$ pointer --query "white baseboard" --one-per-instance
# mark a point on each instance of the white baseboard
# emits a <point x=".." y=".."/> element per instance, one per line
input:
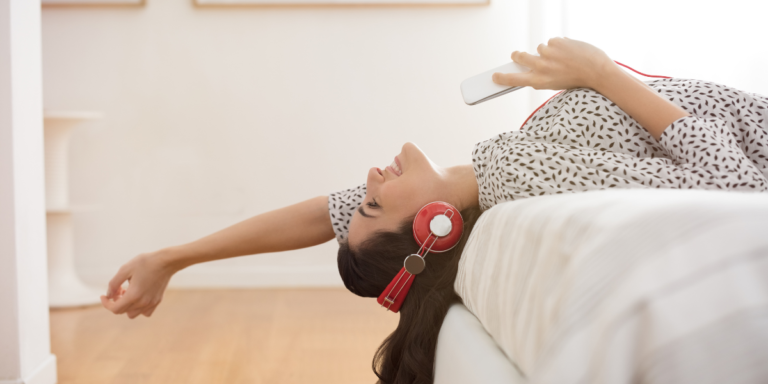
<point x="45" y="373"/>
<point x="201" y="276"/>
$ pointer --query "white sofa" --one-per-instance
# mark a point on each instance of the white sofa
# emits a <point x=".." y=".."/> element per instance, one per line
<point x="618" y="286"/>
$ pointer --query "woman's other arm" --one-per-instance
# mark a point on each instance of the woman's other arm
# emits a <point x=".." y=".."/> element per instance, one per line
<point x="297" y="226"/>
<point x="565" y="63"/>
<point x="638" y="100"/>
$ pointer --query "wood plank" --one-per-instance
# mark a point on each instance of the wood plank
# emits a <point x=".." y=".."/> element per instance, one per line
<point x="279" y="336"/>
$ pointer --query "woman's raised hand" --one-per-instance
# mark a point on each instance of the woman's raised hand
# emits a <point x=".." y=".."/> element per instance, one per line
<point x="562" y="63"/>
<point x="148" y="275"/>
<point x="274" y="231"/>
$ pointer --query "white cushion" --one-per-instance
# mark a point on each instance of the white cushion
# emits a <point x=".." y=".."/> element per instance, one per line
<point x="610" y="286"/>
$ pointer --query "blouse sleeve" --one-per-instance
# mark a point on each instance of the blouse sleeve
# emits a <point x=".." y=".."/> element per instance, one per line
<point x="706" y="152"/>
<point x="341" y="206"/>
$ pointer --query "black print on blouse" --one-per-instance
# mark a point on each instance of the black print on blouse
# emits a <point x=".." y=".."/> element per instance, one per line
<point x="581" y="141"/>
<point x="342" y="206"/>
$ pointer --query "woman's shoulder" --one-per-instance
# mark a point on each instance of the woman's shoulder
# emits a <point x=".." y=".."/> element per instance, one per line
<point x="341" y="207"/>
<point x="709" y="99"/>
<point x="685" y="86"/>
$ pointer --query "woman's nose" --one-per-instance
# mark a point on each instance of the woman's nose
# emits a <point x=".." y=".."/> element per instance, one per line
<point x="374" y="174"/>
<point x="375" y="177"/>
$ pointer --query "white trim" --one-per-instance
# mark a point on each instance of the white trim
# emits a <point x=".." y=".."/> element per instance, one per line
<point x="92" y="2"/>
<point x="337" y="2"/>
<point x="45" y="373"/>
<point x="202" y="276"/>
<point x="340" y="2"/>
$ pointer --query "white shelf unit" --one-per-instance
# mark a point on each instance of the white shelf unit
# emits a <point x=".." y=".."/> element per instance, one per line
<point x="65" y="289"/>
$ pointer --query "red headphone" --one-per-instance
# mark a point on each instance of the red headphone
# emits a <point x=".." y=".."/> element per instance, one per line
<point x="438" y="228"/>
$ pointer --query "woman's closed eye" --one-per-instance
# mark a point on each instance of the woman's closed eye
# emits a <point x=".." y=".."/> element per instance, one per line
<point x="373" y="204"/>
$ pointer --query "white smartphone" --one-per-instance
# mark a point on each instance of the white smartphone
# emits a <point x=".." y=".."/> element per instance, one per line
<point x="480" y="88"/>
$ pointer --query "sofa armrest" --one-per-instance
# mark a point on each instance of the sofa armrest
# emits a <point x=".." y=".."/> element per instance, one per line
<point x="466" y="353"/>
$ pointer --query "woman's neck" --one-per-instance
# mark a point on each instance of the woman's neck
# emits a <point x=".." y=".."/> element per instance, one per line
<point x="461" y="181"/>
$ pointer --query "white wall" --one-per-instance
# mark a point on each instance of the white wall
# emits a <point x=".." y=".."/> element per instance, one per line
<point x="715" y="40"/>
<point x="217" y="114"/>
<point x="25" y="352"/>
<point x="214" y="115"/>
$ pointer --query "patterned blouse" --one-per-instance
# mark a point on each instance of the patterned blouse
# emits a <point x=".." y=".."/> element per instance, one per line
<point x="581" y="141"/>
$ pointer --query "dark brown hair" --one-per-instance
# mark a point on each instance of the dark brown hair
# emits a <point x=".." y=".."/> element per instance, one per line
<point x="408" y="354"/>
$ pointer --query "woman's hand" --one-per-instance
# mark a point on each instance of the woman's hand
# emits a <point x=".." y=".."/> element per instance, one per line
<point x="562" y="64"/>
<point x="148" y="274"/>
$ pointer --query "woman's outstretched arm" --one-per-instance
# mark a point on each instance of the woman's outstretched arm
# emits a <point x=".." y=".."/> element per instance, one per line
<point x="565" y="63"/>
<point x="297" y="226"/>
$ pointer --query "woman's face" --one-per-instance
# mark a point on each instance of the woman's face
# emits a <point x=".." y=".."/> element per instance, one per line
<point x="396" y="193"/>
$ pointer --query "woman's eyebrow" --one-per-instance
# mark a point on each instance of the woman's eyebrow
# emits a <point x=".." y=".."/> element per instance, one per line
<point x="362" y="212"/>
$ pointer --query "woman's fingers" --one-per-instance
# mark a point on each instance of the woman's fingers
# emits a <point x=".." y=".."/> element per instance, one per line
<point x="519" y="79"/>
<point x="561" y="64"/>
<point x="148" y="312"/>
<point x="133" y="313"/>
<point x="130" y="301"/>
<point x="118" y="306"/>
<point x="556" y="40"/>
<point x="142" y="308"/>
<point x="148" y="279"/>
<point x="525" y="59"/>
<point x="542" y="49"/>
<point x="512" y="79"/>
<point x="115" y="285"/>
<point x="131" y="307"/>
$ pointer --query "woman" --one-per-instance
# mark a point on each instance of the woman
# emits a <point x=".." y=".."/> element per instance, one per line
<point x="608" y="130"/>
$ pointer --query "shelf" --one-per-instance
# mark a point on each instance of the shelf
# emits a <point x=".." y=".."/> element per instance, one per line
<point x="60" y="209"/>
<point x="71" y="115"/>
<point x="64" y="286"/>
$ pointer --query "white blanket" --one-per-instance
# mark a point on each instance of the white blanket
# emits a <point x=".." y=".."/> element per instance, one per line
<point x="625" y="286"/>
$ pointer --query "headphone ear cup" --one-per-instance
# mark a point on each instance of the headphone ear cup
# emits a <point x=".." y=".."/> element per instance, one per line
<point x="423" y="226"/>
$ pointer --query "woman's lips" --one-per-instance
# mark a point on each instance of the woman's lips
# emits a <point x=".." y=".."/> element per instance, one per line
<point x="395" y="167"/>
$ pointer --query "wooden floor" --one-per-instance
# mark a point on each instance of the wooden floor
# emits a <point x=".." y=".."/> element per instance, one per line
<point x="225" y="336"/>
